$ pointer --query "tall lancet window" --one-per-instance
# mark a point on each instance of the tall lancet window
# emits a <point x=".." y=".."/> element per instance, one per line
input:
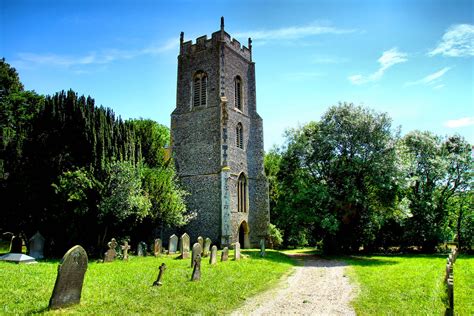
<point x="238" y="93"/>
<point x="200" y="89"/>
<point x="242" y="193"/>
<point x="239" y="141"/>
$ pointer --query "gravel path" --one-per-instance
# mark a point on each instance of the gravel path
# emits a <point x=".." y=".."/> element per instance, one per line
<point x="320" y="287"/>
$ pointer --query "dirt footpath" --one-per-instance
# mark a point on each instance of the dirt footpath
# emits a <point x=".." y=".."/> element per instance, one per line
<point x="319" y="287"/>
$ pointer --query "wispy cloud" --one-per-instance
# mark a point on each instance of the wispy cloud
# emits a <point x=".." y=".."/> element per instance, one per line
<point x="462" y="122"/>
<point x="102" y="57"/>
<point x="292" y="32"/>
<point x="430" y="79"/>
<point x="388" y="59"/>
<point x="457" y="41"/>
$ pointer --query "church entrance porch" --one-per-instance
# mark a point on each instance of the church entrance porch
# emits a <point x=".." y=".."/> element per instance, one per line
<point x="244" y="235"/>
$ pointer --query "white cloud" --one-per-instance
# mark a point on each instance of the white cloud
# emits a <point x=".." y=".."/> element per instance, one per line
<point x="457" y="41"/>
<point x="465" y="121"/>
<point x="430" y="79"/>
<point x="292" y="32"/>
<point x="388" y="59"/>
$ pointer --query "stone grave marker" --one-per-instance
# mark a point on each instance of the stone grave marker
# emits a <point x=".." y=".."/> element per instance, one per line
<point x="68" y="287"/>
<point x="197" y="269"/>
<point x="207" y="246"/>
<point x="157" y="247"/>
<point x="237" y="251"/>
<point x="173" y="245"/>
<point x="225" y="254"/>
<point x="201" y="242"/>
<point x="141" y="249"/>
<point x="262" y="247"/>
<point x="213" y="258"/>
<point x="37" y="246"/>
<point x="111" y="253"/>
<point x="16" y="244"/>
<point x="162" y="269"/>
<point x="125" y="248"/>
<point x="197" y="250"/>
<point x="184" y="246"/>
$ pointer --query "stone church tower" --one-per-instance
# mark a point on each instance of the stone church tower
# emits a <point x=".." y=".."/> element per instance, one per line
<point x="217" y="140"/>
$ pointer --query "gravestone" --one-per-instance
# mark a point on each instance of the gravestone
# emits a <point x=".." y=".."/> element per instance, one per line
<point x="184" y="246"/>
<point x="201" y="242"/>
<point x="141" y="249"/>
<point x="237" y="251"/>
<point x="162" y="269"/>
<point x="262" y="247"/>
<point x="125" y="249"/>
<point x="213" y="258"/>
<point x="207" y="246"/>
<point x="16" y="244"/>
<point x="17" y="258"/>
<point x="197" y="269"/>
<point x="197" y="250"/>
<point x="173" y="245"/>
<point x="37" y="246"/>
<point x="225" y="254"/>
<point x="157" y="247"/>
<point x="68" y="287"/>
<point x="112" y="252"/>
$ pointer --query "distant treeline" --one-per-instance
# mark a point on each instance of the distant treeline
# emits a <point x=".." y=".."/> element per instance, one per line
<point x="79" y="174"/>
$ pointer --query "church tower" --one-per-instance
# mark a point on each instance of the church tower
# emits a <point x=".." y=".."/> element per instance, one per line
<point x="217" y="140"/>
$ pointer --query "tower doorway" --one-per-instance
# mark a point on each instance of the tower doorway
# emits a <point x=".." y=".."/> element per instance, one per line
<point x="244" y="235"/>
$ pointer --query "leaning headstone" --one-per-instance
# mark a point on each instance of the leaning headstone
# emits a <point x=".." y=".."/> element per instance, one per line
<point x="184" y="246"/>
<point x="201" y="242"/>
<point x="213" y="258"/>
<point x="197" y="269"/>
<point x="16" y="244"/>
<point x="197" y="250"/>
<point x="160" y="275"/>
<point x="173" y="245"/>
<point x="237" y="251"/>
<point x="262" y="247"/>
<point x="141" y="249"/>
<point x="157" y="247"/>
<point x="68" y="287"/>
<point x="225" y="254"/>
<point x="207" y="246"/>
<point x="111" y="253"/>
<point x="37" y="246"/>
<point x="125" y="249"/>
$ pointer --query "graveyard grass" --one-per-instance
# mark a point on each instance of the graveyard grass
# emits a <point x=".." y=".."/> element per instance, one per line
<point x="410" y="284"/>
<point x="126" y="287"/>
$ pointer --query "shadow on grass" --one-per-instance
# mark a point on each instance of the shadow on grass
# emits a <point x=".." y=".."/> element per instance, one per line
<point x="271" y="255"/>
<point x="367" y="261"/>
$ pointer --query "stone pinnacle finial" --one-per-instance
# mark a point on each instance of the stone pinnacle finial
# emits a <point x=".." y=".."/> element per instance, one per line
<point x="181" y="38"/>
<point x="250" y="44"/>
<point x="222" y="23"/>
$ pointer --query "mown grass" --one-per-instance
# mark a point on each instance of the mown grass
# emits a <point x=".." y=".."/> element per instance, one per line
<point x="126" y="287"/>
<point x="464" y="285"/>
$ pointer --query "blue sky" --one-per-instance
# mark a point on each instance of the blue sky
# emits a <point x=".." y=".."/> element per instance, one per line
<point x="411" y="59"/>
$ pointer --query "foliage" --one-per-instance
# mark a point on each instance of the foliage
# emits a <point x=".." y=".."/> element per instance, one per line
<point x="275" y="235"/>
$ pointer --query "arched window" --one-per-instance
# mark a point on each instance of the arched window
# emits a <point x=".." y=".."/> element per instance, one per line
<point x="242" y="193"/>
<point x="199" y="89"/>
<point x="238" y="92"/>
<point x="239" y="141"/>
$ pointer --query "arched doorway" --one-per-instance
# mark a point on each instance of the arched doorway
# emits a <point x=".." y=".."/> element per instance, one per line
<point x="244" y="235"/>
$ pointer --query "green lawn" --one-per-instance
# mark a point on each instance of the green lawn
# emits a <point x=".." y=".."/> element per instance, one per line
<point x="409" y="284"/>
<point x="125" y="287"/>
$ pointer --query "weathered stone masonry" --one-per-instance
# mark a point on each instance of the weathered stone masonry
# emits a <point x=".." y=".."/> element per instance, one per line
<point x="204" y="144"/>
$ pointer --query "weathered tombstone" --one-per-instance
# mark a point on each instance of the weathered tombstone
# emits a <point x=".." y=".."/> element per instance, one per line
<point x="160" y="275"/>
<point x="237" y="251"/>
<point x="173" y="245"/>
<point x="207" y="246"/>
<point x="141" y="249"/>
<point x="111" y="253"/>
<point x="184" y="244"/>
<point x="37" y="246"/>
<point x="201" y="242"/>
<point x="262" y="247"/>
<point x="16" y="244"/>
<point x="213" y="258"/>
<point x="125" y="249"/>
<point x="157" y="247"/>
<point x="68" y="287"/>
<point x="197" y="269"/>
<point x="197" y="250"/>
<point x="225" y="254"/>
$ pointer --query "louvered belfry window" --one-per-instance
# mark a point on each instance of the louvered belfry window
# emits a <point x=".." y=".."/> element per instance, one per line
<point x="200" y="89"/>
<point x="242" y="193"/>
<point x="239" y="141"/>
<point x="238" y="93"/>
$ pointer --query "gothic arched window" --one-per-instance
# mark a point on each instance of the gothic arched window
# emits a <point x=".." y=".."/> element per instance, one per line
<point x="239" y="138"/>
<point x="242" y="193"/>
<point x="200" y="89"/>
<point x="238" y="92"/>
